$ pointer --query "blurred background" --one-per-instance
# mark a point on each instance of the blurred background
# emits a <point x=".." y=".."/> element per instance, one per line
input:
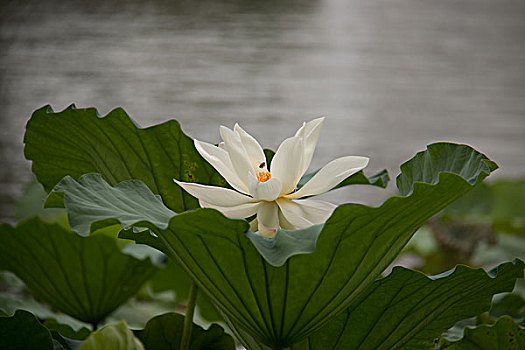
<point x="389" y="76"/>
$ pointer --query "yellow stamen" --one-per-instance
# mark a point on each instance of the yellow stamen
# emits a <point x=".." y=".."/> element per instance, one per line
<point x="264" y="176"/>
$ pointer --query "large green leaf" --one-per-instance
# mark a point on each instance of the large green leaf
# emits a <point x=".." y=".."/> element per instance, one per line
<point x="504" y="335"/>
<point x="408" y="310"/>
<point x="92" y="203"/>
<point x="84" y="277"/>
<point x="427" y="166"/>
<point x="113" y="337"/>
<point x="23" y="331"/>
<point x="164" y="332"/>
<point x="92" y="199"/>
<point x="279" y="306"/>
<point x="78" y="141"/>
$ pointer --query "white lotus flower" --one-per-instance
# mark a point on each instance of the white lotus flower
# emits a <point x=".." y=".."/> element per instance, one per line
<point x="271" y="195"/>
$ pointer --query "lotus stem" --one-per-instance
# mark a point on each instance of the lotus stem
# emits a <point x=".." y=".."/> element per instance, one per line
<point x="188" y="318"/>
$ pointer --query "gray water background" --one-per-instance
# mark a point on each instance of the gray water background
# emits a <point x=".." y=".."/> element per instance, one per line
<point x="390" y="76"/>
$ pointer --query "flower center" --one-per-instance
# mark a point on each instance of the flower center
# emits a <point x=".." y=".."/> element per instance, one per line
<point x="264" y="176"/>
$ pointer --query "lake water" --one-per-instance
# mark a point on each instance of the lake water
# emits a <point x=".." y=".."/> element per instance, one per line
<point x="390" y="76"/>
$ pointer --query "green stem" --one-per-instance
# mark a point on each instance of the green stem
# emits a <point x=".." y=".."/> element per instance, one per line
<point x="188" y="318"/>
